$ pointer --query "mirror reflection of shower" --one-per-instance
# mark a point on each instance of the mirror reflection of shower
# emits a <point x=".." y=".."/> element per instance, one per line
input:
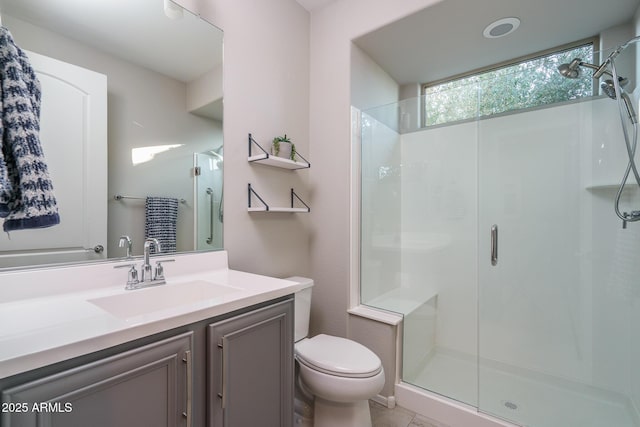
<point x="208" y="197"/>
<point x="218" y="153"/>
<point x="613" y="87"/>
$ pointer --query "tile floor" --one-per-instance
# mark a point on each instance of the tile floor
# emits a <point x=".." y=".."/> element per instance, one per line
<point x="382" y="416"/>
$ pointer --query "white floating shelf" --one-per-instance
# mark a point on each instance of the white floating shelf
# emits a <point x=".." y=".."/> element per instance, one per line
<point x="266" y="208"/>
<point x="278" y="162"/>
<point x="265" y="158"/>
<point x="276" y="209"/>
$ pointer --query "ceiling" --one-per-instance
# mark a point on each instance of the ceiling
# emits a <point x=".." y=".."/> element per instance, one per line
<point x="312" y="5"/>
<point x="446" y="39"/>
<point x="442" y="40"/>
<point x="144" y="34"/>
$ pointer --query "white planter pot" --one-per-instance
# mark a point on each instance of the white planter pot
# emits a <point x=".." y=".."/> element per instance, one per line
<point x="283" y="151"/>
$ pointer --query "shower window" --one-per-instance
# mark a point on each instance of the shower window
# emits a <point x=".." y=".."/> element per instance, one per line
<point x="524" y="83"/>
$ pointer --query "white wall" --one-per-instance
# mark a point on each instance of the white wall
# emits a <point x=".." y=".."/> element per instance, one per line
<point x="625" y="63"/>
<point x="371" y="86"/>
<point x="266" y="92"/>
<point x="306" y="63"/>
<point x="205" y="89"/>
<point x="332" y="29"/>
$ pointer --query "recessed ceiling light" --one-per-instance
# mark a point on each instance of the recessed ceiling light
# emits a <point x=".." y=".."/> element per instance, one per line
<point x="501" y="28"/>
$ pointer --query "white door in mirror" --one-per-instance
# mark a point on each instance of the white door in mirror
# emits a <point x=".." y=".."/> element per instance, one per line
<point x="73" y="133"/>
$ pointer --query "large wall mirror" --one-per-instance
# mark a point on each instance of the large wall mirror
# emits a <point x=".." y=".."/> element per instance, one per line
<point x="131" y="121"/>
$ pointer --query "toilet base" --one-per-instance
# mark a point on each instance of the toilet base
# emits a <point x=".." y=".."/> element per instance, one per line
<point x="338" y="414"/>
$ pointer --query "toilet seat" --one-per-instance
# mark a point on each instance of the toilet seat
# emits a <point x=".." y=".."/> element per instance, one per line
<point x="338" y="356"/>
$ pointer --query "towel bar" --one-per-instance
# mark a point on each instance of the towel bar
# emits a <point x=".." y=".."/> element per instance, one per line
<point x="120" y="197"/>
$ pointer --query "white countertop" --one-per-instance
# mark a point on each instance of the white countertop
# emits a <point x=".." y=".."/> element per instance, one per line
<point x="46" y="315"/>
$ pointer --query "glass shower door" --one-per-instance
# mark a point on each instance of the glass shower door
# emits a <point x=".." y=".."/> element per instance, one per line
<point x="552" y="334"/>
<point x="418" y="242"/>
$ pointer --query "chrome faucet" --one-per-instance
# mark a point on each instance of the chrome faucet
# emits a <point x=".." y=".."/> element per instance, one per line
<point x="126" y="240"/>
<point x="146" y="274"/>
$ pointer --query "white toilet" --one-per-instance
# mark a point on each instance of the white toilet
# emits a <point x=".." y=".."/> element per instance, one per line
<point x="341" y="375"/>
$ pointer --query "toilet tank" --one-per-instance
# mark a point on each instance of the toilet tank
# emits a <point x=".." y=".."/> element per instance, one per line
<point x="302" y="304"/>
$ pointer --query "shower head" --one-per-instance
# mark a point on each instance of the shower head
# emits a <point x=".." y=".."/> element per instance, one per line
<point x="570" y="70"/>
<point x="609" y="88"/>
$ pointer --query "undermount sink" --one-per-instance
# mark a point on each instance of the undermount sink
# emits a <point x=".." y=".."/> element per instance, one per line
<point x="162" y="297"/>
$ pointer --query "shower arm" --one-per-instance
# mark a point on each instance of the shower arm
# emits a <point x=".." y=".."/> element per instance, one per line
<point x="599" y="69"/>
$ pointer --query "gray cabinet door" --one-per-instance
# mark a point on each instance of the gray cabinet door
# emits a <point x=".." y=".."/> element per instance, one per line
<point x="149" y="386"/>
<point x="250" y="369"/>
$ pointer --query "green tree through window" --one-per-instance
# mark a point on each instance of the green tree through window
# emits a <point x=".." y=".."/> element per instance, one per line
<point x="525" y="84"/>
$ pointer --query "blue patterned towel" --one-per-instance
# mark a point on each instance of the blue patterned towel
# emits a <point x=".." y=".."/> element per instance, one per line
<point x="26" y="192"/>
<point x="161" y="220"/>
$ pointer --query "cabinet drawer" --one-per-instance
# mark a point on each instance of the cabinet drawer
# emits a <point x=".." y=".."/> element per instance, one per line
<point x="147" y="386"/>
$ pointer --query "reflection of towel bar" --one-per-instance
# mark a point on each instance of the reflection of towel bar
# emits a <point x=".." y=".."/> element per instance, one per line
<point x="97" y="249"/>
<point x="120" y="197"/>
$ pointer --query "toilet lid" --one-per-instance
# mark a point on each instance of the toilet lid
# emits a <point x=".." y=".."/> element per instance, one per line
<point x="338" y="356"/>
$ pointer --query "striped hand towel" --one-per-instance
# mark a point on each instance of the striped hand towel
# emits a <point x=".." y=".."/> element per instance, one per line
<point x="26" y="192"/>
<point x="160" y="221"/>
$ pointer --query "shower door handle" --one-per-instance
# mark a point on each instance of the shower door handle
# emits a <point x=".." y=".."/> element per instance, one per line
<point x="211" y="209"/>
<point x="494" y="244"/>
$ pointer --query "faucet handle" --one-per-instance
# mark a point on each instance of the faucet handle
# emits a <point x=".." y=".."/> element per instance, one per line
<point x="132" y="276"/>
<point x="159" y="272"/>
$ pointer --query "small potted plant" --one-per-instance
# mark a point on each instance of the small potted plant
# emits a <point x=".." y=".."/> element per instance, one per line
<point x="283" y="147"/>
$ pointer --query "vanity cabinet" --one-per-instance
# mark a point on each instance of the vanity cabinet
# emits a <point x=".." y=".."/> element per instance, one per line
<point x="147" y="386"/>
<point x="232" y="370"/>
<point x="250" y="380"/>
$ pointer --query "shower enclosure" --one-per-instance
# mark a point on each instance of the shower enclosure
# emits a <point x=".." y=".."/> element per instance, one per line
<point x="496" y="239"/>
